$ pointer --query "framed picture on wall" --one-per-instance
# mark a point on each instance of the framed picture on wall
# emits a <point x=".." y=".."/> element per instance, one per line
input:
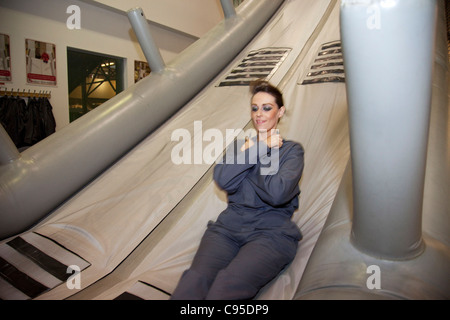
<point x="141" y="70"/>
<point x="5" y="58"/>
<point x="41" y="62"/>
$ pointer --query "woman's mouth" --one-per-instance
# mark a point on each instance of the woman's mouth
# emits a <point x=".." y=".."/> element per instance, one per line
<point x="259" y="122"/>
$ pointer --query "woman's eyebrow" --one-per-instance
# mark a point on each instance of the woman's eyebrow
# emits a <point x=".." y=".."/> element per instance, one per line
<point x="264" y="104"/>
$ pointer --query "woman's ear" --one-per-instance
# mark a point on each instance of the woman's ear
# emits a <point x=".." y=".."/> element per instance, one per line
<point x="281" y="111"/>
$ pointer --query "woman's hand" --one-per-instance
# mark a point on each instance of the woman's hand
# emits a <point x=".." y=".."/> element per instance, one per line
<point x="274" y="140"/>
<point x="248" y="143"/>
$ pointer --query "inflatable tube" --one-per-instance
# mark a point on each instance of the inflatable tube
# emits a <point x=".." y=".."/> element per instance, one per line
<point x="49" y="172"/>
<point x="345" y="265"/>
<point x="389" y="98"/>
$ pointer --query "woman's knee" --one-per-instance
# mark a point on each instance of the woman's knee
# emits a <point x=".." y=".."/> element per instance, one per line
<point x="228" y="286"/>
<point x="192" y="286"/>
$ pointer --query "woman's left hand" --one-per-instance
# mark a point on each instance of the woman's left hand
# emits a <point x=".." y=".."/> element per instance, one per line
<point x="274" y="140"/>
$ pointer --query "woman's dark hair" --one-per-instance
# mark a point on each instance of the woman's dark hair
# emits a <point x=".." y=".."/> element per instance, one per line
<point x="264" y="86"/>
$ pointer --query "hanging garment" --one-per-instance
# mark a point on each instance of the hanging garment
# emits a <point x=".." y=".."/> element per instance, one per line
<point x="48" y="120"/>
<point x="11" y="110"/>
<point x="36" y="114"/>
<point x="27" y="123"/>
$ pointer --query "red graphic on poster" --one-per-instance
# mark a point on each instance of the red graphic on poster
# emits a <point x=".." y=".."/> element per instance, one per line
<point x="41" y="62"/>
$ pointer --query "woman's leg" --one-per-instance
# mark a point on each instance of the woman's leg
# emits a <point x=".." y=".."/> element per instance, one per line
<point x="257" y="263"/>
<point x="217" y="248"/>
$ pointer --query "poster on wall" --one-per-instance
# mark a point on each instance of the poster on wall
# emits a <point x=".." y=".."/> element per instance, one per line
<point x="41" y="62"/>
<point x="5" y="58"/>
<point x="141" y="70"/>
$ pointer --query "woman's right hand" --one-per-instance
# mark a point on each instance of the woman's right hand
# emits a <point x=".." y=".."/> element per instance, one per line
<point x="248" y="143"/>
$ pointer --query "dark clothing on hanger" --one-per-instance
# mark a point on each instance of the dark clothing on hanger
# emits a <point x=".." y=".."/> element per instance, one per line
<point x="26" y="123"/>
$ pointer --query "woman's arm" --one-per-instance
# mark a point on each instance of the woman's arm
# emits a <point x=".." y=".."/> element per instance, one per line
<point x="235" y="165"/>
<point x="279" y="188"/>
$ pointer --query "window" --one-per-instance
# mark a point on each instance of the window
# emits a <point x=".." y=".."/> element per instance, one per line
<point x="93" y="79"/>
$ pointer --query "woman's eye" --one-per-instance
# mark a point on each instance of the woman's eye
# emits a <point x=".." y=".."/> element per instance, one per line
<point x="254" y="108"/>
<point x="267" y="108"/>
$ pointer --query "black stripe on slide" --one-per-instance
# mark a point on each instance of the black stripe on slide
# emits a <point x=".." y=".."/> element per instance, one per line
<point x="20" y="280"/>
<point x="128" y="296"/>
<point x="49" y="264"/>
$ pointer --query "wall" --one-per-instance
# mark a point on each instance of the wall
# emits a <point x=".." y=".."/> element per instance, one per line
<point x="102" y="31"/>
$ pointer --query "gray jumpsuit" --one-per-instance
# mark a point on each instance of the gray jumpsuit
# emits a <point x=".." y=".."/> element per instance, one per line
<point x="254" y="238"/>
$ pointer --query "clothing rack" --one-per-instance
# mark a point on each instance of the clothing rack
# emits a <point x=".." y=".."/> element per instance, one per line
<point x="27" y="117"/>
<point x="24" y="94"/>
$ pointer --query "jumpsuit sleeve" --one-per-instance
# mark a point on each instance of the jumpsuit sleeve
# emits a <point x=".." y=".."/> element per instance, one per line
<point x="280" y="188"/>
<point x="234" y="167"/>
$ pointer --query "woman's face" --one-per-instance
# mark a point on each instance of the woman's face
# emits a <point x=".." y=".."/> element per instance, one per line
<point x="265" y="112"/>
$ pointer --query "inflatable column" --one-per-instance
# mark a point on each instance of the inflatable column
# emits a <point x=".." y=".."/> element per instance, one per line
<point x="228" y="8"/>
<point x="142" y="30"/>
<point x="48" y="165"/>
<point x="388" y="48"/>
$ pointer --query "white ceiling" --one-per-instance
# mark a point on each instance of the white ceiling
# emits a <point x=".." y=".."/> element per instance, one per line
<point x="193" y="17"/>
